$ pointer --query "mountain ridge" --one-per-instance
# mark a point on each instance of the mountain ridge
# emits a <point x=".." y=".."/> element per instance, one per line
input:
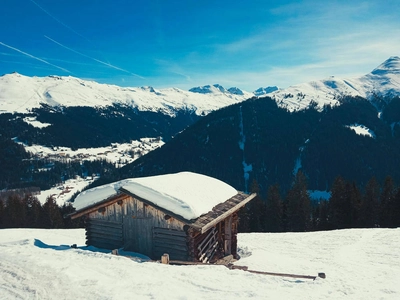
<point x="383" y="81"/>
<point x="21" y="93"/>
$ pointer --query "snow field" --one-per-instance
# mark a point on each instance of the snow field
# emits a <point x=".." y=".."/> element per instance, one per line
<point x="359" y="264"/>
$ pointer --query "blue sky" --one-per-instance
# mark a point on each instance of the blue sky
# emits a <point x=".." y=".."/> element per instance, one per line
<point x="188" y="43"/>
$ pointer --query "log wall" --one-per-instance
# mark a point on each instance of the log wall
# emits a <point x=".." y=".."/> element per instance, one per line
<point x="133" y="222"/>
<point x="135" y="226"/>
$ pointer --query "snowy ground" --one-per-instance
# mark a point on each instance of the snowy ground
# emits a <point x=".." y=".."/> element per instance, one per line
<point x="64" y="192"/>
<point x="359" y="264"/>
<point x="118" y="154"/>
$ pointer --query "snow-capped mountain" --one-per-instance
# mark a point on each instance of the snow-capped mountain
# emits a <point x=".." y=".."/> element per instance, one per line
<point x="263" y="91"/>
<point x="383" y="81"/>
<point x="19" y="93"/>
<point x="216" y="89"/>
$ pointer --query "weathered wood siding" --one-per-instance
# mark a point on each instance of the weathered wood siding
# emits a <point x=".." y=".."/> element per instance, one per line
<point x="139" y="221"/>
<point x="134" y="221"/>
<point x="136" y="226"/>
<point x="104" y="227"/>
<point x="173" y="242"/>
<point x="104" y="234"/>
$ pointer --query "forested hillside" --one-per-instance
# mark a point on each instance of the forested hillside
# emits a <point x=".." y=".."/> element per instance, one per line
<point x="75" y="127"/>
<point x="257" y="140"/>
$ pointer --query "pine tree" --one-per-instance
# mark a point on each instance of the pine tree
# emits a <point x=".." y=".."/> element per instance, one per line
<point x="338" y="207"/>
<point x="244" y="219"/>
<point x="395" y="222"/>
<point x="68" y="223"/>
<point x="1" y="213"/>
<point x="256" y="210"/>
<point x="298" y="205"/>
<point x="386" y="206"/>
<point x="14" y="213"/>
<point x="274" y="210"/>
<point x="322" y="220"/>
<point x="354" y="199"/>
<point x="52" y="215"/>
<point x="369" y="205"/>
<point x="34" y="212"/>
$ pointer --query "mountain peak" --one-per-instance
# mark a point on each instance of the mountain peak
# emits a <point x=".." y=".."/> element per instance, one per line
<point x="235" y="91"/>
<point x="389" y="66"/>
<point x="263" y="91"/>
<point x="208" y="89"/>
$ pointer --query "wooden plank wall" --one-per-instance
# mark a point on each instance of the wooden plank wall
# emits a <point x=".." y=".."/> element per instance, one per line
<point x="132" y="222"/>
<point x="104" y="227"/>
<point x="173" y="242"/>
<point x="104" y="234"/>
<point x="139" y="219"/>
<point x="138" y="227"/>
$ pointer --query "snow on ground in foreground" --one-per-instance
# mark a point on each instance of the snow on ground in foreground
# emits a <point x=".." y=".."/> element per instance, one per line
<point x="359" y="264"/>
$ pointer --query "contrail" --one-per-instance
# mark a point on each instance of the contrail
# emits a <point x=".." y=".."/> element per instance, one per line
<point x="95" y="59"/>
<point x="58" y="21"/>
<point x="34" y="57"/>
<point x="63" y="24"/>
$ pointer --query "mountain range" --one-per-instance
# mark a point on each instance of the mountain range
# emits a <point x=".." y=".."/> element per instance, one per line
<point x="329" y="127"/>
<point x="21" y="94"/>
<point x="382" y="82"/>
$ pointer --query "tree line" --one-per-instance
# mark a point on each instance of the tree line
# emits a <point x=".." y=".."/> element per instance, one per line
<point x="25" y="211"/>
<point x="348" y="207"/>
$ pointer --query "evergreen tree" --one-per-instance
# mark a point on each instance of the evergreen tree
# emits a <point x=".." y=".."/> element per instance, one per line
<point x="386" y="206"/>
<point x="256" y="210"/>
<point x="1" y="213"/>
<point x="244" y="219"/>
<point x="34" y="212"/>
<point x="395" y="222"/>
<point x="52" y="215"/>
<point x="338" y="204"/>
<point x="274" y="210"/>
<point x="298" y="205"/>
<point x="68" y="223"/>
<point x="321" y="218"/>
<point x="344" y="204"/>
<point x="354" y="199"/>
<point x="369" y="205"/>
<point x="14" y="213"/>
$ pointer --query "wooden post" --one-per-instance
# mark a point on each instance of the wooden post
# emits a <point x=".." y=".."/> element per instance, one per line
<point x="165" y="259"/>
<point x="228" y="236"/>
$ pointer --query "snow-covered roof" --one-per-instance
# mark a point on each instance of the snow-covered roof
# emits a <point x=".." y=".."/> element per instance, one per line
<point x="186" y="194"/>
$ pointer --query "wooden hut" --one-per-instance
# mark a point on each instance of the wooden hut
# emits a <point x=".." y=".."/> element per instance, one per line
<point x="138" y="215"/>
